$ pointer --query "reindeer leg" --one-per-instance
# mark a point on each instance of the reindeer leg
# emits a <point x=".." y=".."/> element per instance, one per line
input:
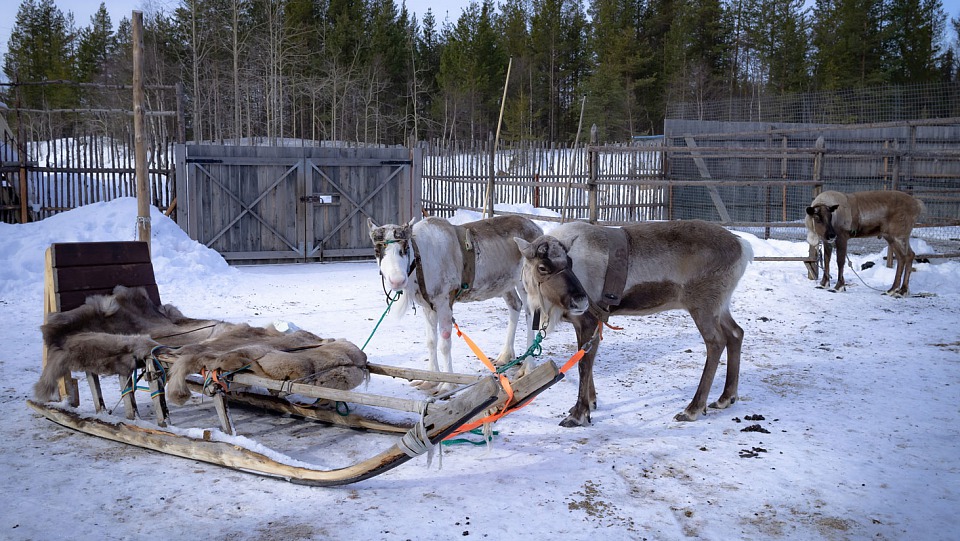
<point x="586" y="327"/>
<point x="713" y="336"/>
<point x="827" y="251"/>
<point x="841" y="261"/>
<point x="507" y="354"/>
<point x="908" y="259"/>
<point x="733" y="334"/>
<point x="904" y="254"/>
<point x="528" y="363"/>
<point x="445" y="325"/>
<point x="430" y="319"/>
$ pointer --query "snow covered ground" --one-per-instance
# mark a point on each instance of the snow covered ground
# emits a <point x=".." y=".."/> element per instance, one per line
<point x="853" y="400"/>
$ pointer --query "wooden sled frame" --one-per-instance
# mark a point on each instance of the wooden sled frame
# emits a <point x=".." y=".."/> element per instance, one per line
<point x="75" y="271"/>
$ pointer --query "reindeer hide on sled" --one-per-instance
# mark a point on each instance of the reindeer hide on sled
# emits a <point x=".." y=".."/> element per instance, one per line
<point x="113" y="334"/>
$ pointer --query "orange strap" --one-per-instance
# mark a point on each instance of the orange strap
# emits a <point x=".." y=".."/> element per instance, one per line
<point x="573" y="361"/>
<point x="504" y="382"/>
<point x="214" y="377"/>
<point x="580" y="352"/>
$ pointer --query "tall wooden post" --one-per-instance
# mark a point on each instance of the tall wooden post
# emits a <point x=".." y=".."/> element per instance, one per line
<point x="813" y="271"/>
<point x="139" y="133"/>
<point x="592" y="167"/>
<point x="488" y="199"/>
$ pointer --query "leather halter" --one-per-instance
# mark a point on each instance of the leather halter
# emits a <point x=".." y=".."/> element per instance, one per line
<point x="615" y="280"/>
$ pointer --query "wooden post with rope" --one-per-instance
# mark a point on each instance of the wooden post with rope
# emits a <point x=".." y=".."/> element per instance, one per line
<point x="139" y="131"/>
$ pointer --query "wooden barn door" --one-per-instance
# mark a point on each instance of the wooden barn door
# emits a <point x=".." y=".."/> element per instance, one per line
<point x="264" y="204"/>
<point x="243" y="201"/>
<point x="345" y="186"/>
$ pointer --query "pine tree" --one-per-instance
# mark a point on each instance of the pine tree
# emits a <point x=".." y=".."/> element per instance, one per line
<point x="426" y="69"/>
<point x="558" y="31"/>
<point x="513" y="25"/>
<point x="610" y="88"/>
<point x="695" y="53"/>
<point x="97" y="44"/>
<point x="41" y="48"/>
<point x="848" y="43"/>
<point x="776" y="44"/>
<point x="472" y="69"/>
<point x="913" y="33"/>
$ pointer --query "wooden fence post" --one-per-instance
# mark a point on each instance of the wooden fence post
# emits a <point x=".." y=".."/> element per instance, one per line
<point x="140" y="148"/>
<point x="813" y="271"/>
<point x="592" y="178"/>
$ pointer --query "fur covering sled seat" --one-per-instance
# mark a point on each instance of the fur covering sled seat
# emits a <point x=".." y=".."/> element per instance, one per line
<point x="114" y="334"/>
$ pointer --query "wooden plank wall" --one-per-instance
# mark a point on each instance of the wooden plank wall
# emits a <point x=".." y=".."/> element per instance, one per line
<point x="262" y="204"/>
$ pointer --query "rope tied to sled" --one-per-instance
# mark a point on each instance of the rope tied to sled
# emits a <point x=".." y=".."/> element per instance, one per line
<point x="417" y="440"/>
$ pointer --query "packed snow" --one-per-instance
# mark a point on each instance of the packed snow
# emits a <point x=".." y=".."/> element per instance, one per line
<point x="847" y="427"/>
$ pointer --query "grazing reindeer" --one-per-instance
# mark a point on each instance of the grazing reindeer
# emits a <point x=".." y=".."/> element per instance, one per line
<point x="835" y="217"/>
<point x="691" y="265"/>
<point x="437" y="263"/>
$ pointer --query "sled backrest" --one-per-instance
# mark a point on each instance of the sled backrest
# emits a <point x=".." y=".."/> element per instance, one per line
<point x="77" y="270"/>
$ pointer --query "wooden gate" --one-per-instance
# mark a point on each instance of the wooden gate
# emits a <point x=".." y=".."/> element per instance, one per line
<point x="258" y="204"/>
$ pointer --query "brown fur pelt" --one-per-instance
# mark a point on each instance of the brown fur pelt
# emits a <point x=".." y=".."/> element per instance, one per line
<point x="301" y="356"/>
<point x="113" y="334"/>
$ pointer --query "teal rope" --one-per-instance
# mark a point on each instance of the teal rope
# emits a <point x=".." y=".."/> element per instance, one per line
<point x="390" y="301"/>
<point x="476" y="431"/>
<point x="209" y="379"/>
<point x="534" y="350"/>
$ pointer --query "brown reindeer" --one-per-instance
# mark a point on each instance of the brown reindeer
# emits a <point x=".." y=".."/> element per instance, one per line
<point x="833" y="218"/>
<point x="690" y="265"/>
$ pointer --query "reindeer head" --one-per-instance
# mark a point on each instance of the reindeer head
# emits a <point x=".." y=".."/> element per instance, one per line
<point x="391" y="244"/>
<point x="819" y="223"/>
<point x="552" y="287"/>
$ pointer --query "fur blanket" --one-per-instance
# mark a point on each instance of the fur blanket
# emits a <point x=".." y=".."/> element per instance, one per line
<point x="114" y="334"/>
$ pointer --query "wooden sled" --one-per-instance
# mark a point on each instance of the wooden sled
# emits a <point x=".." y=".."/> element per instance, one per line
<point x="75" y="271"/>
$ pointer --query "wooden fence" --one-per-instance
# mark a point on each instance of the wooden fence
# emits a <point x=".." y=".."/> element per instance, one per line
<point x="56" y="160"/>
<point x="758" y="177"/>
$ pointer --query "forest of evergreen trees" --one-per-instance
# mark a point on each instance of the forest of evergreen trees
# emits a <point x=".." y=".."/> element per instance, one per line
<point x="369" y="71"/>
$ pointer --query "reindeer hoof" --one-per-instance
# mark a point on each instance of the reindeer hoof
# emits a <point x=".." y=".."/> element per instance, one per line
<point x="687" y="415"/>
<point x="433" y="388"/>
<point x="574" y="420"/>
<point x="723" y="403"/>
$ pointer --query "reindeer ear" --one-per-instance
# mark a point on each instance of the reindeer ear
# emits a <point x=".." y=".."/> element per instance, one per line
<point x="412" y="221"/>
<point x="371" y="224"/>
<point x="526" y="249"/>
<point x="811" y="211"/>
<point x="833" y="208"/>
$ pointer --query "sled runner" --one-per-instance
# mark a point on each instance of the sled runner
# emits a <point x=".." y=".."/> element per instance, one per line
<point x="121" y="272"/>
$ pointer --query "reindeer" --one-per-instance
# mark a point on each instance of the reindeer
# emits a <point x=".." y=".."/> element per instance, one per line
<point x="833" y="218"/>
<point x="436" y="264"/>
<point x="572" y="275"/>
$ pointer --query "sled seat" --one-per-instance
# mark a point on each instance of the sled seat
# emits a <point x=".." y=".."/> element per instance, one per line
<point x="77" y="270"/>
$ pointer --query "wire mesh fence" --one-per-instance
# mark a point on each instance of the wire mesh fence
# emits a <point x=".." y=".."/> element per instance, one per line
<point x="865" y="105"/>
